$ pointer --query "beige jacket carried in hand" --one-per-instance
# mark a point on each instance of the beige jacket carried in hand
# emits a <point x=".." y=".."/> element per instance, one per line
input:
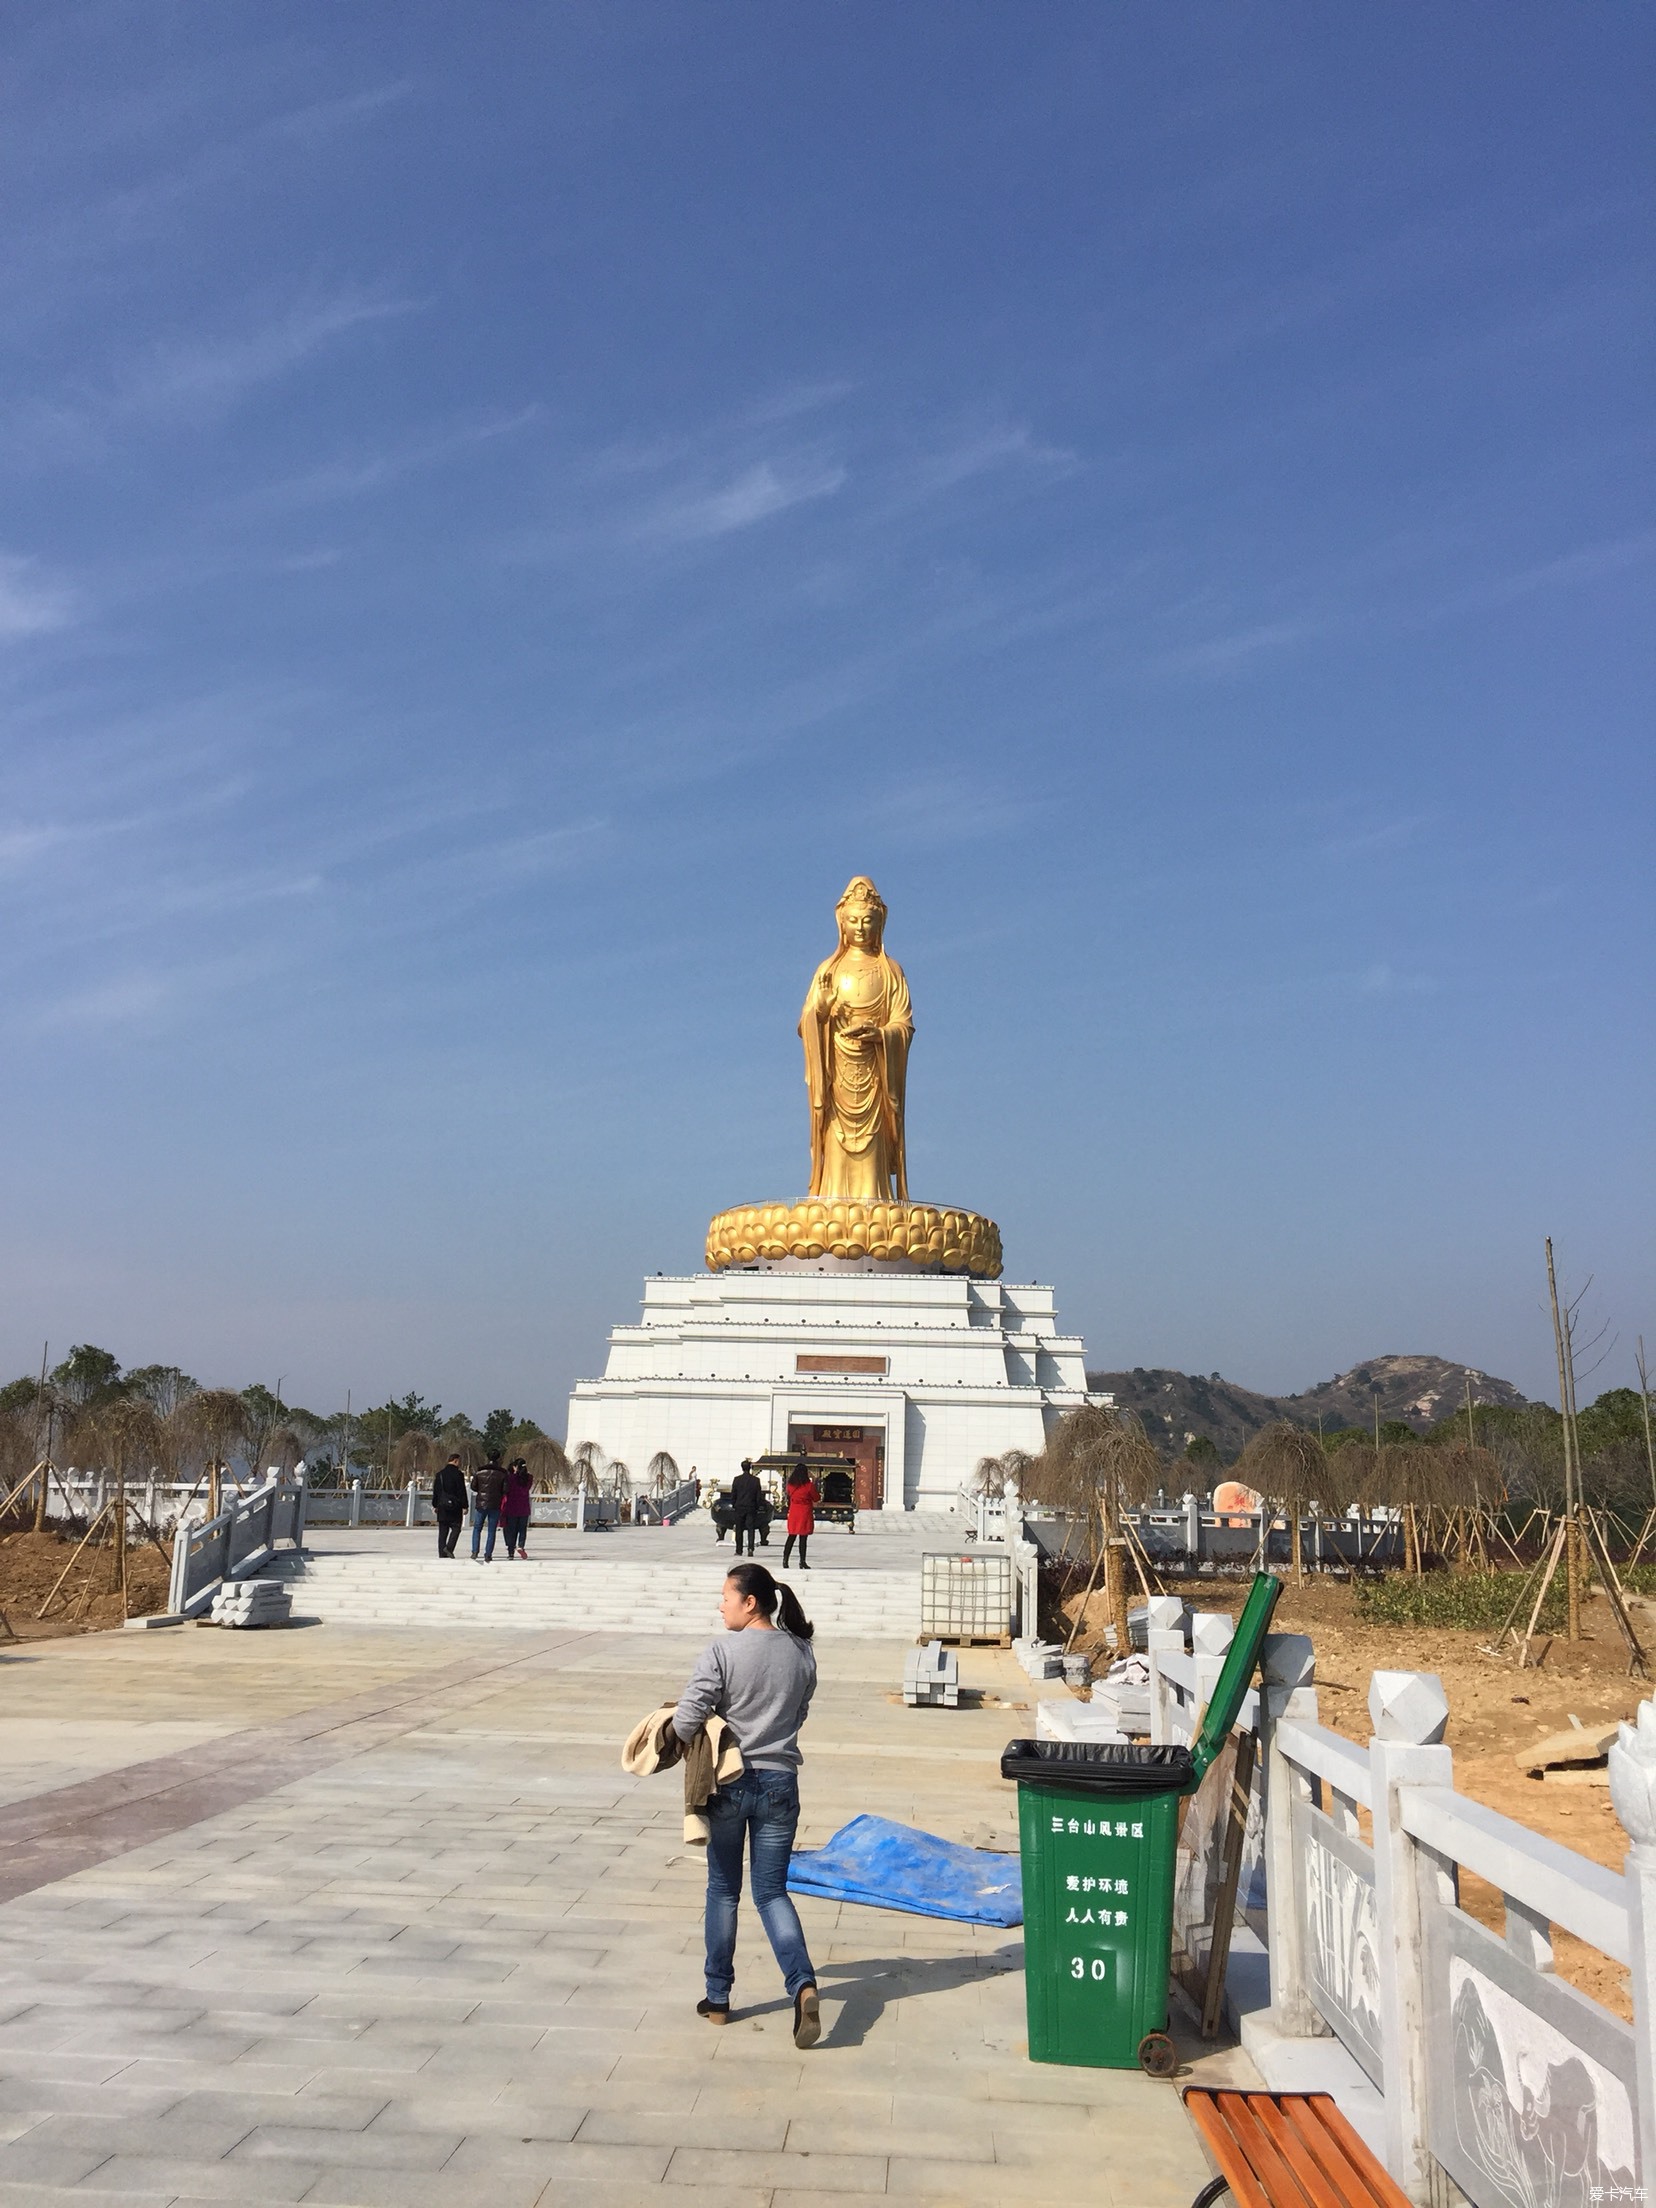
<point x="711" y="1760"/>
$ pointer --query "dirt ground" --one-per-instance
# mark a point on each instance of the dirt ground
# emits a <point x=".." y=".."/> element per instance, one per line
<point x="88" y="1601"/>
<point x="1495" y="1711"/>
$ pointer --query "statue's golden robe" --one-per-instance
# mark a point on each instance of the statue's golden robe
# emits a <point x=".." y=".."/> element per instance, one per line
<point x="856" y="1028"/>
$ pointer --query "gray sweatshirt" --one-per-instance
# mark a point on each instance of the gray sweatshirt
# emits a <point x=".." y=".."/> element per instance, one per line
<point x="761" y="1684"/>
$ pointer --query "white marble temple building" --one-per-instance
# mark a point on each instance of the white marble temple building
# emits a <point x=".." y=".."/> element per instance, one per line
<point x="914" y="1374"/>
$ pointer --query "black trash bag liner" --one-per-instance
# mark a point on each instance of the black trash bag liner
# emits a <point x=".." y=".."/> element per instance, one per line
<point x="1100" y="1766"/>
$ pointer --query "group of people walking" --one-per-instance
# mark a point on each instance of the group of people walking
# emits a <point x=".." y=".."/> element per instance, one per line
<point x="749" y="1516"/>
<point x="499" y="1502"/>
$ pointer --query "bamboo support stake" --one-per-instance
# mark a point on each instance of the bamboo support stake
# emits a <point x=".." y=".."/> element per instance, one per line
<point x="1541" y="1591"/>
<point x="28" y="1480"/>
<point x="1079" y="1619"/>
<point x="1571" y="1580"/>
<point x="46" y="1456"/>
<point x="69" y="1567"/>
<point x="120" y="1538"/>
<point x="1141" y="1558"/>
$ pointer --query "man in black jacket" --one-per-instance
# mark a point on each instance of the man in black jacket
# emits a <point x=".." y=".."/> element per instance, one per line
<point x="747" y="1503"/>
<point x="448" y="1500"/>
<point x="488" y="1491"/>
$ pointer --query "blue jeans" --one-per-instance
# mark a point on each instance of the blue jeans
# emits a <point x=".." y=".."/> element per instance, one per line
<point x="480" y="1519"/>
<point x="765" y="1806"/>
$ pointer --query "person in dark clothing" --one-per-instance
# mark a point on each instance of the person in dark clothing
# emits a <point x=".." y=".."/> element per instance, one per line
<point x="747" y="1502"/>
<point x="448" y="1501"/>
<point x="514" y="1510"/>
<point x="488" y="1492"/>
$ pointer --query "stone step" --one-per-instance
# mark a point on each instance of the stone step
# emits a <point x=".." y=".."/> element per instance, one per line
<point x="376" y="1589"/>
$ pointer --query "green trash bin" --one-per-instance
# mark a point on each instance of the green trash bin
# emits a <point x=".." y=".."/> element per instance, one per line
<point x="1098" y="1830"/>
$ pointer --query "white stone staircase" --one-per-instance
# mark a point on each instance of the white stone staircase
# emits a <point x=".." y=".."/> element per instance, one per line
<point x="606" y="1595"/>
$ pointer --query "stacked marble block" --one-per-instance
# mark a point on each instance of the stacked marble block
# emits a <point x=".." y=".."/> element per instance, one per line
<point x="250" y="1602"/>
<point x="931" y="1678"/>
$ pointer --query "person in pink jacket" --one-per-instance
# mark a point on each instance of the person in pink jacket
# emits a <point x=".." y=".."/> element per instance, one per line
<point x="802" y="1500"/>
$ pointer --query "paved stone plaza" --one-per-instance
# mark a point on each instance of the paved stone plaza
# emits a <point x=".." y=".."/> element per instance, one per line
<point x="364" y="1916"/>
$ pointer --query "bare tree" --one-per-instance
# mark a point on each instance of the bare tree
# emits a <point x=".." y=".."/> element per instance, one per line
<point x="125" y="1436"/>
<point x="18" y="1452"/>
<point x="1097" y="1462"/>
<point x="662" y="1472"/>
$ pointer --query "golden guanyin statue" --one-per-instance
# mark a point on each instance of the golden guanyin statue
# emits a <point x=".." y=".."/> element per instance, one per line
<point x="856" y="1028"/>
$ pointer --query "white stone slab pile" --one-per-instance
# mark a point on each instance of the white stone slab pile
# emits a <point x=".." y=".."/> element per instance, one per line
<point x="1124" y="1693"/>
<point x="1162" y="1613"/>
<point x="931" y="1678"/>
<point x="1040" y="1659"/>
<point x="1060" y="1719"/>
<point x="246" y="1602"/>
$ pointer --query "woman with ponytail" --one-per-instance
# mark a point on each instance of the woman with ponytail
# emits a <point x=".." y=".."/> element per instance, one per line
<point x="759" y="1676"/>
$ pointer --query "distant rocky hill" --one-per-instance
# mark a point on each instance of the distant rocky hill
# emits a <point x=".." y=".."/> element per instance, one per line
<point x="1176" y="1406"/>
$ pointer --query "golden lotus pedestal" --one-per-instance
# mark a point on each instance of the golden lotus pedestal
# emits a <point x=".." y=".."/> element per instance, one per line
<point x="833" y="1230"/>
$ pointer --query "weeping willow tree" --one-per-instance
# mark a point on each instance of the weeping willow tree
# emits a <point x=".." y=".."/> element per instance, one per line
<point x="1297" y="1478"/>
<point x="548" y="1466"/>
<point x="996" y="1477"/>
<point x="662" y="1472"/>
<point x="416" y="1457"/>
<point x="1097" y="1463"/>
<point x="211" y="1427"/>
<point x="1444" y="1496"/>
<point x="586" y="1463"/>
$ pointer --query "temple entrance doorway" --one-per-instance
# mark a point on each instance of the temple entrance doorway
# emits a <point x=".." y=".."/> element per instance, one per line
<point x="865" y="1445"/>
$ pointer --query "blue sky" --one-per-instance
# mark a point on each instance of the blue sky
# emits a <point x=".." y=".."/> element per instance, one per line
<point x="503" y="511"/>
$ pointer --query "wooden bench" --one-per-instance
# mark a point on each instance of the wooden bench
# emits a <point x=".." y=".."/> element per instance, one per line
<point x="1286" y="2150"/>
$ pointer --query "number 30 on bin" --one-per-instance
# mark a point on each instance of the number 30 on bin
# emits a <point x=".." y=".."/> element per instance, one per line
<point x="1078" y="1967"/>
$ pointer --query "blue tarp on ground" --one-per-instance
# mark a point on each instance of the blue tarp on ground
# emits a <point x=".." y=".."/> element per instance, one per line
<point x="888" y="1866"/>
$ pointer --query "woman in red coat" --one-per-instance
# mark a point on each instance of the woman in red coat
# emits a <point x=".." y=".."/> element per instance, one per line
<point x="802" y="1498"/>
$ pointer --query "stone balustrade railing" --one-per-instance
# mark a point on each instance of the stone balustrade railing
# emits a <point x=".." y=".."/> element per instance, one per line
<point x="1492" y="2080"/>
<point x="235" y="1544"/>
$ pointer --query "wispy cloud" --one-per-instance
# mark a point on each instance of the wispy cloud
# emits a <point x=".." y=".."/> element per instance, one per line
<point x="325" y="118"/>
<point x="1227" y="654"/>
<point x="362" y="474"/>
<point x="1392" y="834"/>
<point x="1383" y="980"/>
<point x="126" y="1000"/>
<point x="214" y="372"/>
<point x="755" y="494"/>
<point x="523" y="858"/>
<point x="22" y="848"/>
<point x="941" y="809"/>
<point x="1589" y="563"/>
<point x="31" y="602"/>
<point x="977" y="452"/>
<point x="190" y="379"/>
